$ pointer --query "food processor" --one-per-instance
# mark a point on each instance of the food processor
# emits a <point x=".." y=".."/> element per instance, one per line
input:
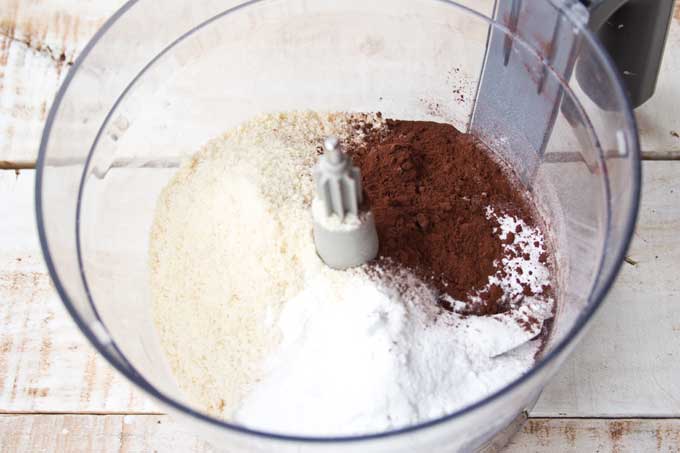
<point x="534" y="80"/>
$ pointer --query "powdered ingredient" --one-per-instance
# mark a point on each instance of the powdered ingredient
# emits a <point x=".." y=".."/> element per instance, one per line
<point x="231" y="240"/>
<point x="256" y="329"/>
<point x="430" y="186"/>
<point x="401" y="360"/>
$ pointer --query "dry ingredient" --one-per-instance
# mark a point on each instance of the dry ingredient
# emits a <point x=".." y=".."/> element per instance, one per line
<point x="231" y="241"/>
<point x="430" y="188"/>
<point x="363" y="353"/>
<point x="258" y="330"/>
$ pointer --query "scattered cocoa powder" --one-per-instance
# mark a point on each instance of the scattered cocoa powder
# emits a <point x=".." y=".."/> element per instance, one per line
<point x="429" y="186"/>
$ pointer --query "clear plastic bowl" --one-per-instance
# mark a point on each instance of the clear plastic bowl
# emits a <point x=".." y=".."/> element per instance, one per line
<point x="157" y="81"/>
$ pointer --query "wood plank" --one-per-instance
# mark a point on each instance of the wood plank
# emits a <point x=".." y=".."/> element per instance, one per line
<point x="100" y="433"/>
<point x="626" y="366"/>
<point x="40" y="39"/>
<point x="145" y="433"/>
<point x="597" y="435"/>
<point x="45" y="362"/>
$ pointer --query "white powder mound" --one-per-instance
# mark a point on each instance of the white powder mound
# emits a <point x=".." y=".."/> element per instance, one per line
<point x="525" y="267"/>
<point x="258" y="330"/>
<point x="357" y="356"/>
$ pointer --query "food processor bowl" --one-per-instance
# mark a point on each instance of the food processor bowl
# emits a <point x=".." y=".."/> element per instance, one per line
<point x="158" y="81"/>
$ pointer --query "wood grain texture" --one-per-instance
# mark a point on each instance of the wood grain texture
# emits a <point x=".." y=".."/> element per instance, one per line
<point x="39" y="40"/>
<point x="159" y="433"/>
<point x="582" y="435"/>
<point x="45" y="362"/>
<point x="627" y="365"/>
<point x="96" y="433"/>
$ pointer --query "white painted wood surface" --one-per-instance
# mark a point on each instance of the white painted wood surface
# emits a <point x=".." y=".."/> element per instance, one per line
<point x="45" y="363"/>
<point x="39" y="40"/>
<point x="159" y="433"/>
<point x="96" y="433"/>
<point x="582" y="435"/>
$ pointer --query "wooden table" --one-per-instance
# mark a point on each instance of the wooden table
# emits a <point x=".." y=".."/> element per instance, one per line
<point x="620" y="390"/>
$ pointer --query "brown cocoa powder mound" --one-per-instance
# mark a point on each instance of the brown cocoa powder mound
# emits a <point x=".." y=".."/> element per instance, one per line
<point x="429" y="186"/>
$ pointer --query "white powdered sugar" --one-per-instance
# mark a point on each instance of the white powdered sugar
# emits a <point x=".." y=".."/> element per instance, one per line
<point x="522" y="260"/>
<point x="359" y="355"/>
<point x="258" y="331"/>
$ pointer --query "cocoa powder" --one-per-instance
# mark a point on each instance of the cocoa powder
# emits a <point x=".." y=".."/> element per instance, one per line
<point x="429" y="186"/>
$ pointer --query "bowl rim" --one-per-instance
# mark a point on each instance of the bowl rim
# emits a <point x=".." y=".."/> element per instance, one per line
<point x="115" y="357"/>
